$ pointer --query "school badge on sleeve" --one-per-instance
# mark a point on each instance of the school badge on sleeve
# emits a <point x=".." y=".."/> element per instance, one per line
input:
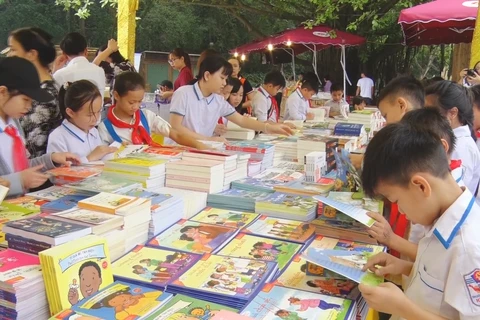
<point x="472" y="281"/>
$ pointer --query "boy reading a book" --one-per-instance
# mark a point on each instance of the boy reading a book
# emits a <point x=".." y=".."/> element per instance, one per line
<point x="445" y="277"/>
<point x="338" y="105"/>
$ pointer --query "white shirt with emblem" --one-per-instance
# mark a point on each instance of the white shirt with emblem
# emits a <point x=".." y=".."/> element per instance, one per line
<point x="262" y="104"/>
<point x="296" y="106"/>
<point x="467" y="151"/>
<point x="444" y="278"/>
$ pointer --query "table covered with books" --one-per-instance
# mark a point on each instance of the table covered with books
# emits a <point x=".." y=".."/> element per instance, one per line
<point x="271" y="228"/>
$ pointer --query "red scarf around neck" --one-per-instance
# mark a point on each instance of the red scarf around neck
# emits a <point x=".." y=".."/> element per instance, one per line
<point x="454" y="164"/>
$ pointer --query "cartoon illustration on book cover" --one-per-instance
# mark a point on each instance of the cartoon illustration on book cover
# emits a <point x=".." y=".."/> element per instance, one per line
<point x="28" y="203"/>
<point x="153" y="265"/>
<point x="258" y="248"/>
<point x="282" y="229"/>
<point x="90" y="279"/>
<point x="275" y="302"/>
<point x="193" y="237"/>
<point x="226" y="218"/>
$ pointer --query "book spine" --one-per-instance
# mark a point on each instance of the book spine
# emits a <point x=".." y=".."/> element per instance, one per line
<point x="186" y="178"/>
<point x="26" y="245"/>
<point x="246" y="149"/>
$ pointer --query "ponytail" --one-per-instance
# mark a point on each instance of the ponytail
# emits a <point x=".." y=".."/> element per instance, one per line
<point x="180" y="53"/>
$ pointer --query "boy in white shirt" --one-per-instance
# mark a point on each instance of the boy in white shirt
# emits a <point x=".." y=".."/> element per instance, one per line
<point x="298" y="102"/>
<point x="265" y="107"/>
<point x="338" y="106"/>
<point x="445" y="277"/>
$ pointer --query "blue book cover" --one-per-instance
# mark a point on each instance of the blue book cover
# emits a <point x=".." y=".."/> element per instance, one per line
<point x="262" y="185"/>
<point x="158" y="199"/>
<point x="275" y="302"/>
<point x="62" y="204"/>
<point x="122" y="300"/>
<point x="45" y="226"/>
<point x="351" y="129"/>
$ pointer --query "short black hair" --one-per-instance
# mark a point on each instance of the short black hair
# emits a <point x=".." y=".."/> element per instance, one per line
<point x="397" y="152"/>
<point x="89" y="264"/>
<point x="36" y="39"/>
<point x="235" y="83"/>
<point x="128" y="81"/>
<point x="336" y="87"/>
<point x="212" y="64"/>
<point x="167" y="83"/>
<point x="406" y="87"/>
<point x="431" y="120"/>
<point x="275" y="78"/>
<point x="358" y="100"/>
<point x="116" y="56"/>
<point x="310" y="85"/>
<point x="73" y="44"/>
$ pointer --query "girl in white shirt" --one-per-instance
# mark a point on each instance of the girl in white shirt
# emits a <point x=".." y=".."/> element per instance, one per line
<point x="475" y="90"/>
<point x="455" y="104"/>
<point x="81" y="105"/>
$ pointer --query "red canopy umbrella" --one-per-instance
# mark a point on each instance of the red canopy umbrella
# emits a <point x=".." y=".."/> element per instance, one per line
<point x="439" y="22"/>
<point x="296" y="41"/>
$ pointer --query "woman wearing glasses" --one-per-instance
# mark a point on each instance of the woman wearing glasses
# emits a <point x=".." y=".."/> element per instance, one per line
<point x="180" y="61"/>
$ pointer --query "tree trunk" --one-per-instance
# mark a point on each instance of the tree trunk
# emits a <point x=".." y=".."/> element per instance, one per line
<point x="461" y="59"/>
<point x="442" y="58"/>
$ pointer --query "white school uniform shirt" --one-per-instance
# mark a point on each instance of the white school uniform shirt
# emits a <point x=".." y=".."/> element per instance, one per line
<point x="445" y="278"/>
<point x="156" y="124"/>
<point x="341" y="107"/>
<point x="467" y="151"/>
<point x="296" y="106"/>
<point x="200" y="114"/>
<point x="261" y="104"/>
<point x="79" y="68"/>
<point x="69" y="138"/>
<point x="7" y="142"/>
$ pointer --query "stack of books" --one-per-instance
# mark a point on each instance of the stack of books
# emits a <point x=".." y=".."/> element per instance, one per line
<point x="104" y="183"/>
<point x="315" y="166"/>
<point x="242" y="165"/>
<point x="322" y="186"/>
<point x="11" y="212"/>
<point x="267" y="180"/>
<point x="254" y="167"/>
<point x="166" y="209"/>
<point x="62" y="204"/>
<point x="193" y="201"/>
<point x="233" y="281"/>
<point x="311" y="143"/>
<point x="55" y="192"/>
<point x="348" y="130"/>
<point x="236" y="132"/>
<point x="371" y="118"/>
<point x="258" y="151"/>
<point x="64" y="175"/>
<point x="197" y="175"/>
<point x="235" y="199"/>
<point x="22" y="289"/>
<point x="288" y="206"/>
<point x="149" y="172"/>
<point x="25" y="202"/>
<point x="75" y="271"/>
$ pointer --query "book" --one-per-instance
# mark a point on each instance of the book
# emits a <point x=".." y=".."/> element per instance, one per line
<point x="281" y="229"/>
<point x="27" y="202"/>
<point x="114" y="204"/>
<point x="152" y="266"/>
<point x="227" y="218"/>
<point x="356" y="213"/>
<point x="103" y="183"/>
<point x="259" y="248"/>
<point x="99" y="222"/>
<point x="185" y="307"/>
<point x="158" y="199"/>
<point x="191" y="236"/>
<point x="69" y="314"/>
<point x="75" y="271"/>
<point x="52" y="193"/>
<point x="17" y="268"/>
<point x="122" y="300"/>
<point x="275" y="302"/>
<point x="148" y="167"/>
<point x="62" y="204"/>
<point x="78" y="172"/>
<point x="3" y="192"/>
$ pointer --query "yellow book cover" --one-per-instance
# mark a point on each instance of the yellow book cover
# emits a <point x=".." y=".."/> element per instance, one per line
<point x="80" y="268"/>
<point x="12" y="212"/>
<point x="137" y="162"/>
<point x="226" y="218"/>
<point x="106" y="202"/>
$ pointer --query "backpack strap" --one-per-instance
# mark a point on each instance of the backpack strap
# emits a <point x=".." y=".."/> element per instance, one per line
<point x="108" y="124"/>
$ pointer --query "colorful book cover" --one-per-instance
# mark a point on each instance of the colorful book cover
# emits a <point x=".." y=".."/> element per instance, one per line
<point x="52" y="193"/>
<point x="45" y="226"/>
<point x="16" y="266"/>
<point x="321" y="242"/>
<point x="290" y="202"/>
<point x="76" y="171"/>
<point x="258" y="248"/>
<point x="62" y="204"/>
<point x="80" y="268"/>
<point x="27" y="202"/>
<point x="103" y="184"/>
<point x="226" y="218"/>
<point x="106" y="202"/>
<point x="191" y="236"/>
<point x="184" y="307"/>
<point x="153" y="265"/>
<point x="164" y="152"/>
<point x="157" y="198"/>
<point x="136" y="162"/>
<point x="281" y="229"/>
<point x="87" y="216"/>
<point x="243" y="194"/>
<point x="226" y="276"/>
<point x="124" y="301"/>
<point x="356" y="213"/>
<point x="275" y="302"/>
<point x="69" y="314"/>
<point x="346" y="263"/>
<point x="309" y="277"/>
<point x="12" y="212"/>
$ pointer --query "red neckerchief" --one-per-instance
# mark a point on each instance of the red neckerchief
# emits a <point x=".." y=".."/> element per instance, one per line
<point x="454" y="164"/>
<point x="478" y="134"/>
<point x="139" y="133"/>
<point x="19" y="153"/>
<point x="220" y="120"/>
<point x="274" y="107"/>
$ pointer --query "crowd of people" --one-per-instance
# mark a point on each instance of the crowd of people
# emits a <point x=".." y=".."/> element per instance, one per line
<point x="426" y="160"/>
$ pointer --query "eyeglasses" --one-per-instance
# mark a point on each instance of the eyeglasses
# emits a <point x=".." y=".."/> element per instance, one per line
<point x="171" y="61"/>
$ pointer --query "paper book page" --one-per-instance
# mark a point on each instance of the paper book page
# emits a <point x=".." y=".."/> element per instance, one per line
<point x="356" y="213"/>
<point x="87" y="216"/>
<point x="346" y="263"/>
<point x="284" y="303"/>
<point x="152" y="265"/>
<point x="108" y="201"/>
<point x="226" y="218"/>
<point x="259" y="248"/>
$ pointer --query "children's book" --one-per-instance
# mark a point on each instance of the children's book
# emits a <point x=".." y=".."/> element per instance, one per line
<point x="346" y="263"/>
<point x="52" y="193"/>
<point x="153" y="266"/>
<point x="62" y="204"/>
<point x="259" y="248"/>
<point x="282" y="229"/>
<point x="275" y="302"/>
<point x="191" y="236"/>
<point x="76" y="271"/>
<point x="124" y="301"/>
<point x="158" y="199"/>
<point x="124" y="151"/>
<point x="226" y="218"/>
<point x="309" y="277"/>
<point x="114" y="204"/>
<point x="90" y="217"/>
<point x="80" y="172"/>
<point x="17" y="267"/>
<point x="184" y="307"/>
<point x="232" y="280"/>
<point x="354" y="212"/>
<point x="69" y="314"/>
<point x="26" y="202"/>
<point x="103" y="183"/>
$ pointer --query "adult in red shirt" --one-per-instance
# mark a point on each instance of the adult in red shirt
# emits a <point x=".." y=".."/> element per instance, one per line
<point x="179" y="60"/>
